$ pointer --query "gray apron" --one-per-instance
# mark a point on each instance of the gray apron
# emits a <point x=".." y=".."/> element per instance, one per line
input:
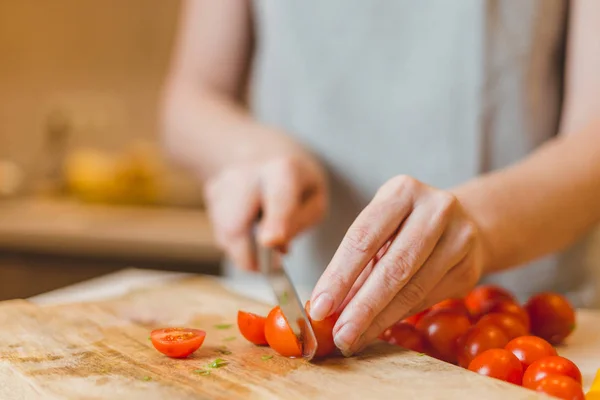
<point x="436" y="89"/>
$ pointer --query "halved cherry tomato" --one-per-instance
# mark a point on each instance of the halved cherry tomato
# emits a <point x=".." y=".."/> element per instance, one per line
<point x="561" y="387"/>
<point x="529" y="349"/>
<point x="280" y="335"/>
<point x="498" y="363"/>
<point x="507" y="307"/>
<point x="553" y="365"/>
<point x="477" y="340"/>
<point x="552" y="317"/>
<point x="441" y="329"/>
<point x="407" y="336"/>
<point x="324" y="333"/>
<point x="477" y="299"/>
<point x="252" y="327"/>
<point x="177" y="342"/>
<point x="452" y="304"/>
<point x="414" y="319"/>
<point x="511" y="324"/>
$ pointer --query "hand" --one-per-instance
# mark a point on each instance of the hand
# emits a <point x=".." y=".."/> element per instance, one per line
<point x="289" y="190"/>
<point x="411" y="247"/>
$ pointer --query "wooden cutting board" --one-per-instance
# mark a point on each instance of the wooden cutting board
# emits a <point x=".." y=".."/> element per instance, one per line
<point x="101" y="351"/>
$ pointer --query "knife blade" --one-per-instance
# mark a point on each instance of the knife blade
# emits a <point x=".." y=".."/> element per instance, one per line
<point x="270" y="264"/>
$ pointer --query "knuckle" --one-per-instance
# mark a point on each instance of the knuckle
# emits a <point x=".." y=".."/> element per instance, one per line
<point x="401" y="184"/>
<point x="359" y="240"/>
<point x="446" y="202"/>
<point x="469" y="233"/>
<point x="398" y="270"/>
<point x="413" y="294"/>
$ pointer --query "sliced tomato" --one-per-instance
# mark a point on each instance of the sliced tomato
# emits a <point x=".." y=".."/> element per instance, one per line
<point x="177" y="342"/>
<point x="323" y="332"/>
<point x="252" y="327"/>
<point x="280" y="335"/>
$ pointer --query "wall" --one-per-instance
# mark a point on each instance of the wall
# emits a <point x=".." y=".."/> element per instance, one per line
<point x="101" y="62"/>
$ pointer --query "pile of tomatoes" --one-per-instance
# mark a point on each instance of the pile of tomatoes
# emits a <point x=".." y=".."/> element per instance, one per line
<point x="273" y="330"/>
<point x="490" y="333"/>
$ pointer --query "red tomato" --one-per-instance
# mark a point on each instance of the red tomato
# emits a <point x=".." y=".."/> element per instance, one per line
<point x="324" y="333"/>
<point x="442" y="329"/>
<point x="280" y="336"/>
<point x="553" y="365"/>
<point x="498" y="363"/>
<point x="177" y="342"/>
<point x="252" y="327"/>
<point x="407" y="336"/>
<point x="476" y="300"/>
<point x="507" y="307"/>
<point x="477" y="340"/>
<point x="529" y="349"/>
<point x="414" y="319"/>
<point x="509" y="323"/>
<point x="452" y="304"/>
<point x="560" y="386"/>
<point x="552" y="317"/>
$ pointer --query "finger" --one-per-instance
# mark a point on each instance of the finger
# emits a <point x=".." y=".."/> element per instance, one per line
<point x="310" y="213"/>
<point x="434" y="280"/>
<point x="415" y="242"/>
<point x="241" y="252"/>
<point x="365" y="274"/>
<point x="369" y="232"/>
<point x="281" y="197"/>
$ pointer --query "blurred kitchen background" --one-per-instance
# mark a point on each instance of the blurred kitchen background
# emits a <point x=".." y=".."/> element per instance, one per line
<point x="84" y="188"/>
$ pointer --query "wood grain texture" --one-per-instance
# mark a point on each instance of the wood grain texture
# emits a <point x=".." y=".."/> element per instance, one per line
<point x="101" y="350"/>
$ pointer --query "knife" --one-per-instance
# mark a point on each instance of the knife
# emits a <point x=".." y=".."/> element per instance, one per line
<point x="269" y="262"/>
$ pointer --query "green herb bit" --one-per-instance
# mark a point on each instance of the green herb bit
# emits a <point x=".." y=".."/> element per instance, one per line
<point x="229" y="338"/>
<point x="223" y="326"/>
<point x="266" y="357"/>
<point x="420" y="354"/>
<point x="149" y="338"/>
<point x="147" y="378"/>
<point x="218" y="363"/>
<point x="284" y="298"/>
<point x="202" y="372"/>
<point x="224" y="351"/>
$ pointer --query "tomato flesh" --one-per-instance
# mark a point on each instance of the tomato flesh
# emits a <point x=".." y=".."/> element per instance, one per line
<point x="252" y="327"/>
<point x="280" y="335"/>
<point x="323" y="332"/>
<point x="477" y="340"/>
<point x="553" y="365"/>
<point x="552" y="317"/>
<point x="561" y="387"/>
<point x="500" y="364"/>
<point x="177" y="342"/>
<point x="529" y="349"/>
<point x="442" y="329"/>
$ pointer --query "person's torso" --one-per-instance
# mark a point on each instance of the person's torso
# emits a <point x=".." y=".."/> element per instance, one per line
<point x="439" y="90"/>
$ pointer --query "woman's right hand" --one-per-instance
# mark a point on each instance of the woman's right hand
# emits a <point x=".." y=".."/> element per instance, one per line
<point x="289" y="190"/>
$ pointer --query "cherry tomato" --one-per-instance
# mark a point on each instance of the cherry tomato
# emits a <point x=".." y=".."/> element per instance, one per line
<point x="177" y="342"/>
<point x="553" y="365"/>
<point x="407" y="336"/>
<point x="476" y="300"/>
<point x="479" y="339"/>
<point x="529" y="349"/>
<point x="560" y="386"/>
<point x="252" y="327"/>
<point x="280" y="336"/>
<point x="414" y="319"/>
<point x="498" y="363"/>
<point x="507" y="307"/>
<point x="442" y="329"/>
<point x="324" y="333"/>
<point x="452" y="304"/>
<point x="509" y="323"/>
<point x="552" y="317"/>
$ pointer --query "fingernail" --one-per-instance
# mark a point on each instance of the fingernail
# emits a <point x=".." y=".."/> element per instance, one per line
<point x="321" y="307"/>
<point x="346" y="337"/>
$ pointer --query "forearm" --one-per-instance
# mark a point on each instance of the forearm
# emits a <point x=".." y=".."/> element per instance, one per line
<point x="540" y="205"/>
<point x="207" y="130"/>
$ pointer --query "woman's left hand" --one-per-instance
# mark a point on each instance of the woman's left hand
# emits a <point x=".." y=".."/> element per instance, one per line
<point x="410" y="248"/>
